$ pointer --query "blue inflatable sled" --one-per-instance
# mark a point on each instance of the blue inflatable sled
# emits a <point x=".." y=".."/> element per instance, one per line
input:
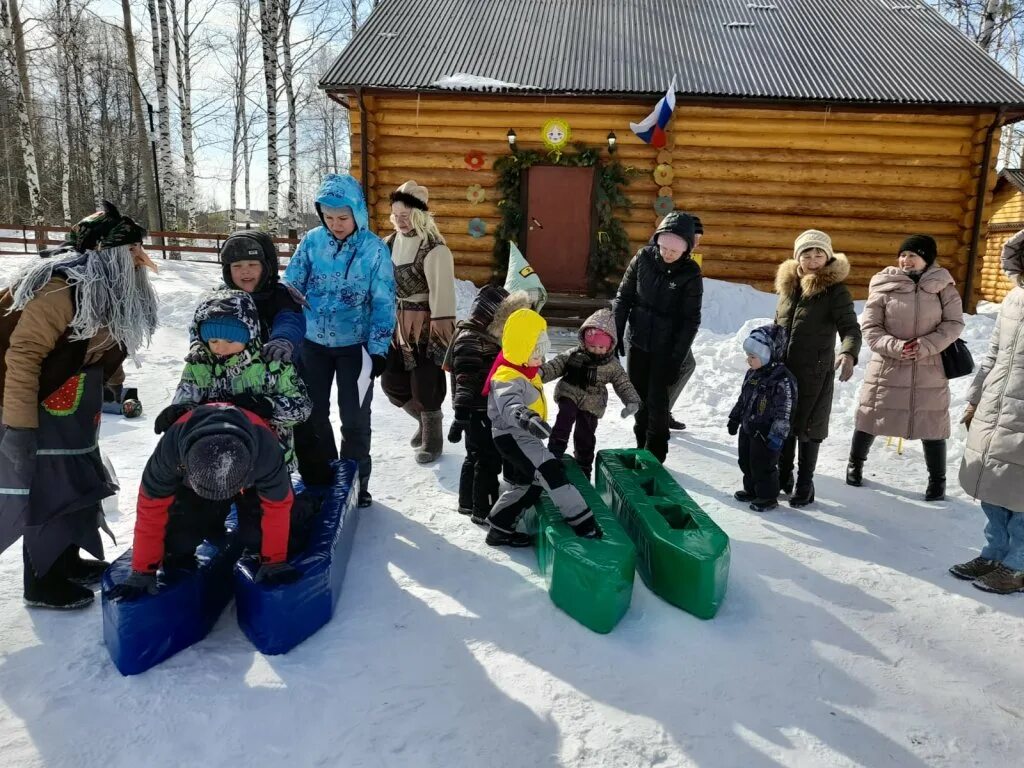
<point x="276" y="619"/>
<point x="142" y="633"/>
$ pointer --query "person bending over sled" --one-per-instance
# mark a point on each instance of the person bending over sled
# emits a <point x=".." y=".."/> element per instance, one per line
<point x="228" y="365"/>
<point x="763" y="416"/>
<point x="518" y="412"/>
<point x="582" y="390"/>
<point x="207" y="458"/>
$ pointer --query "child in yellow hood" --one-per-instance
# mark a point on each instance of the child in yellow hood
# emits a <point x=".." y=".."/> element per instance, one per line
<point x="518" y="412"/>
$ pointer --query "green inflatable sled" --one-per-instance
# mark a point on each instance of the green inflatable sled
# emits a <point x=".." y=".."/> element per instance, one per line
<point x="683" y="556"/>
<point x="590" y="579"/>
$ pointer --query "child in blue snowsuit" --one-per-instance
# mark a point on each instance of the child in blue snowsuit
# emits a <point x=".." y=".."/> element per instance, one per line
<point x="345" y="273"/>
<point x="762" y="416"/>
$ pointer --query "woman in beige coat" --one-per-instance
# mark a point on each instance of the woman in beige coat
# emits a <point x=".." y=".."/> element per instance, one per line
<point x="993" y="466"/>
<point x="912" y="314"/>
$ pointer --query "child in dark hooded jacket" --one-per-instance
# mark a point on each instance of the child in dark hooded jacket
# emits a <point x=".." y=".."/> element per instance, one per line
<point x="763" y="416"/>
<point x="474" y="349"/>
<point x="230" y="367"/>
<point x="584" y="374"/>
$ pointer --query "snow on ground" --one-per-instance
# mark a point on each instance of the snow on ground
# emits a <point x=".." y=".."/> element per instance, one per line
<point x="842" y="640"/>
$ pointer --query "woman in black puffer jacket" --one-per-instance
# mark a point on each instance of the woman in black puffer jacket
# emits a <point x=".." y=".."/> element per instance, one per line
<point x="660" y="297"/>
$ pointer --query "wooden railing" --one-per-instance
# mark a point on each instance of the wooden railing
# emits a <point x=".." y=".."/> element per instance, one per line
<point x="183" y="246"/>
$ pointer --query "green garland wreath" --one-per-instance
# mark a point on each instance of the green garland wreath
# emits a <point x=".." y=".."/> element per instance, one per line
<point x="610" y="248"/>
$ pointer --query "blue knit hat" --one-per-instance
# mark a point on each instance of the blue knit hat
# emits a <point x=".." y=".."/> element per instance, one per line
<point x="226" y="328"/>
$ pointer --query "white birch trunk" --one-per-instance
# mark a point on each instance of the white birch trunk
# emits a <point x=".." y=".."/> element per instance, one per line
<point x="9" y="70"/>
<point x="145" y="155"/>
<point x="293" y="141"/>
<point x="269" y="33"/>
<point x="183" y="69"/>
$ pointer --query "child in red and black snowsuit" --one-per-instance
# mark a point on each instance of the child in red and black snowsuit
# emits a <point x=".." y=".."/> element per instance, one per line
<point x="211" y="456"/>
<point x="475" y="347"/>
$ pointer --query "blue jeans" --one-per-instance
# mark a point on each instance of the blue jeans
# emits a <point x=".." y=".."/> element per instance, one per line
<point x="1005" y="536"/>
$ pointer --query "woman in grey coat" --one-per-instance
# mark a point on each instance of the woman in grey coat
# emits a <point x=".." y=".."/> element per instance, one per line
<point x="993" y="464"/>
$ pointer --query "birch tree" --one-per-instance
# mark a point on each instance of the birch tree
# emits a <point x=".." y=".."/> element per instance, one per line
<point x="270" y="26"/>
<point x="9" y="71"/>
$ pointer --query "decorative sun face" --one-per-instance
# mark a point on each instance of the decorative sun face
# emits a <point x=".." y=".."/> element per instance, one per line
<point x="556" y="133"/>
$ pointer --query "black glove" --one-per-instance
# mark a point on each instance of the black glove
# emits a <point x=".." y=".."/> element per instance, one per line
<point x="273" y="574"/>
<point x="537" y="427"/>
<point x="587" y="529"/>
<point x="379" y="363"/>
<point x="169" y="415"/>
<point x="18" y="446"/>
<point x="455" y="432"/>
<point x="134" y="587"/>
<point x="278" y="350"/>
<point x="258" y="404"/>
<point x="734" y="427"/>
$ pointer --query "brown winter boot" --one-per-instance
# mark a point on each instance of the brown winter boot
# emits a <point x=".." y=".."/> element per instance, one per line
<point x="973" y="569"/>
<point x="1001" y="580"/>
<point x="414" y="410"/>
<point x="433" y="440"/>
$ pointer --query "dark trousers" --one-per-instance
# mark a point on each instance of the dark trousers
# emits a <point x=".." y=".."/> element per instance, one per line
<point x="760" y="466"/>
<point x="584" y="435"/>
<point x="424" y="385"/>
<point x="314" y="440"/>
<point x="478" y="483"/>
<point x="652" y="383"/>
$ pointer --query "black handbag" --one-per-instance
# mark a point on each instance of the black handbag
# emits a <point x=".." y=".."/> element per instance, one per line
<point x="957" y="360"/>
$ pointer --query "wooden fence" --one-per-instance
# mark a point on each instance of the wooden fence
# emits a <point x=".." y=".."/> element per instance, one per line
<point x="180" y="246"/>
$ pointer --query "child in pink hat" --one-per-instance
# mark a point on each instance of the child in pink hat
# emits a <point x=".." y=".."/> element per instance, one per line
<point x="584" y="374"/>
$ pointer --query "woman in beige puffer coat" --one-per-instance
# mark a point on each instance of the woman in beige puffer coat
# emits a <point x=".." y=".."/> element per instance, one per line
<point x="993" y="465"/>
<point x="913" y="312"/>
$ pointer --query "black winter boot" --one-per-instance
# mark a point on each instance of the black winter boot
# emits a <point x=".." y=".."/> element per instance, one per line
<point x="87" y="573"/>
<point x="496" y="538"/>
<point x="858" y="455"/>
<point x="803" y="493"/>
<point x="53" y="589"/>
<point x="935" y="460"/>
<point x="744" y="496"/>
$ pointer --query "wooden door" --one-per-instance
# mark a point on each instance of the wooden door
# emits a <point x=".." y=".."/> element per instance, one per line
<point x="559" y="209"/>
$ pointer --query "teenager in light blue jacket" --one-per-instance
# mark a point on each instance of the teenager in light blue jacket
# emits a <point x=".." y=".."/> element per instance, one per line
<point x="346" y="275"/>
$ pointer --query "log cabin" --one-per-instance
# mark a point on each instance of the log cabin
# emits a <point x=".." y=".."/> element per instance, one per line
<point x="869" y="119"/>
<point x="1007" y="219"/>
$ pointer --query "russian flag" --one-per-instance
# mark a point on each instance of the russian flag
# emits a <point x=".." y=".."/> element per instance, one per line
<point x="652" y="128"/>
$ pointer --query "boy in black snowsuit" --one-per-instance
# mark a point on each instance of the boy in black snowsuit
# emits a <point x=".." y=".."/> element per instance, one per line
<point x="475" y="347"/>
<point x="762" y="416"/>
<point x="208" y="457"/>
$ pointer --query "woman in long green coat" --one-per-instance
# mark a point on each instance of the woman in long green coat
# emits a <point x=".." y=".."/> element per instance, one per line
<point x="814" y="306"/>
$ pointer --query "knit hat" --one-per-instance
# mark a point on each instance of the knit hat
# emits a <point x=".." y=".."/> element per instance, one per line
<point x="766" y="343"/>
<point x="923" y="245"/>
<point x="217" y="465"/>
<point x="106" y="228"/>
<point x="812" y="238"/>
<point x="485" y="304"/>
<point x="598" y="338"/>
<point x="412" y="194"/>
<point x="224" y="327"/>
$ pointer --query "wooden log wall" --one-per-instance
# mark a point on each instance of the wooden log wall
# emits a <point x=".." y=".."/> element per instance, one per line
<point x="756" y="177"/>
<point x="1007" y="219"/>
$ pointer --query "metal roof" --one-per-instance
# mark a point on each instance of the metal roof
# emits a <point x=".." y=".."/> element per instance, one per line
<point x="1014" y="176"/>
<point x="860" y="51"/>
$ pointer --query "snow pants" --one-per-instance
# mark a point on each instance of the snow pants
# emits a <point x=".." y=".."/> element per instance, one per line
<point x="647" y="373"/>
<point x="315" y="448"/>
<point x="760" y="466"/>
<point x="529" y="469"/>
<point x="583" y="427"/>
<point x="478" y="483"/>
<point x="1004" y="536"/>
